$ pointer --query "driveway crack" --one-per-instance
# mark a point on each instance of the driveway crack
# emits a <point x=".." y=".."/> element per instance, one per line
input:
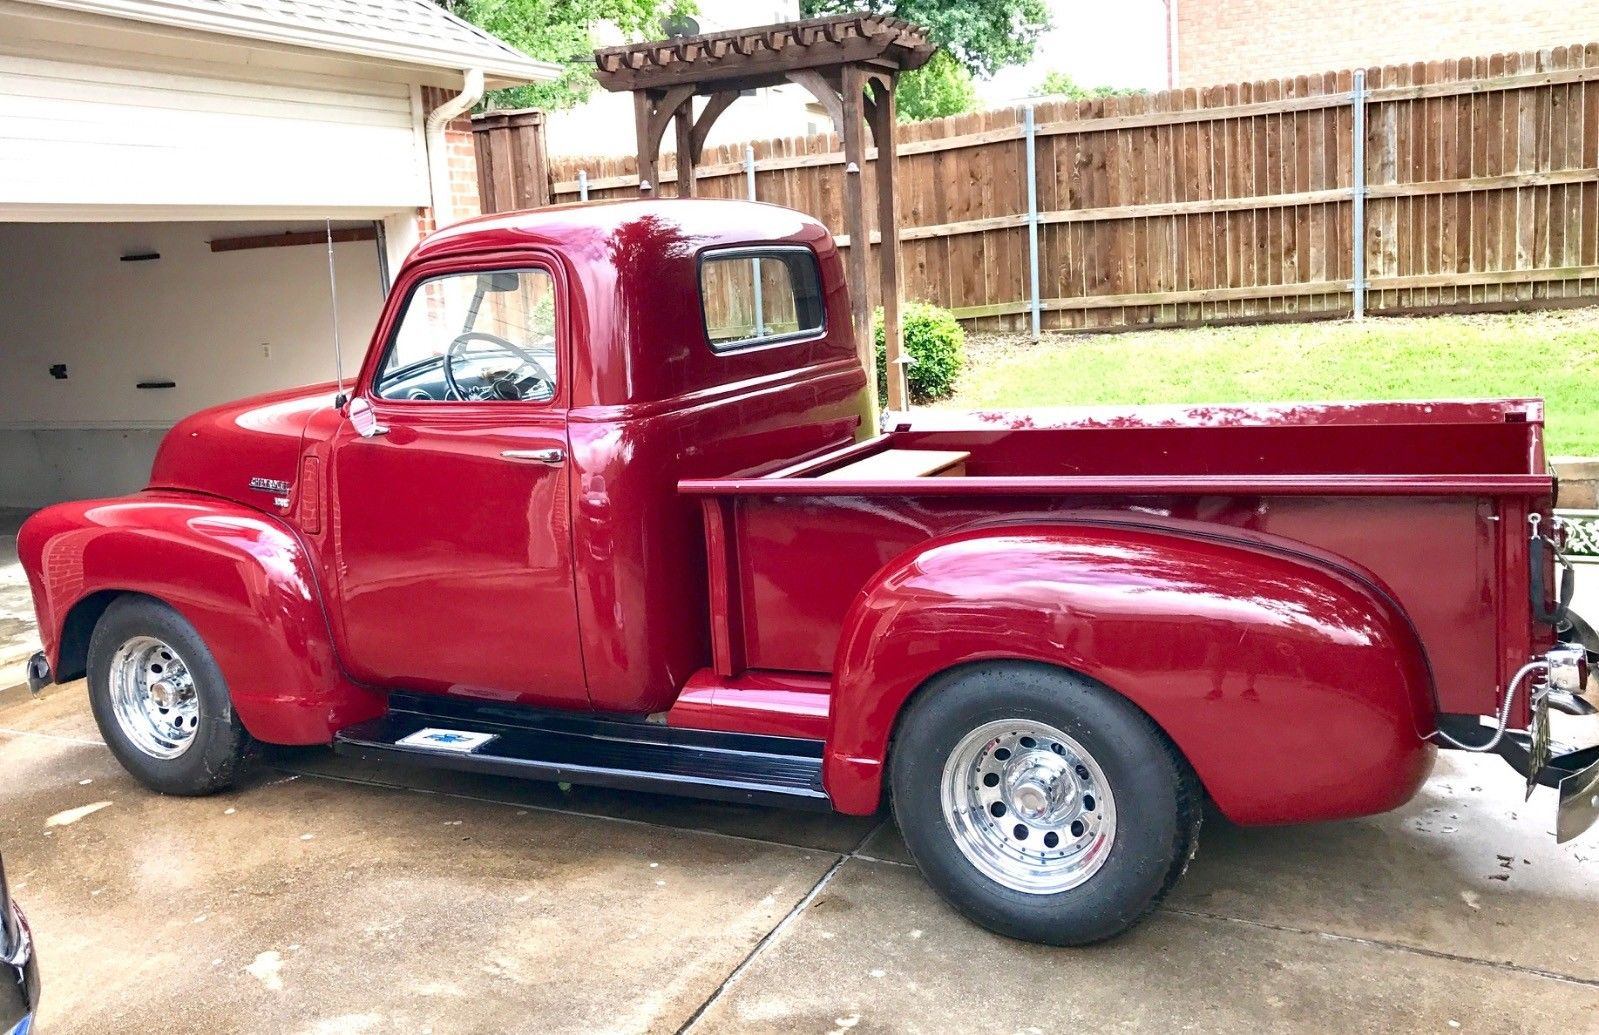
<point x="782" y="925"/>
<point x="1391" y="946"/>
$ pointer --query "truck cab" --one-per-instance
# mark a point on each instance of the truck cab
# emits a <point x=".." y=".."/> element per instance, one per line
<point x="599" y="506"/>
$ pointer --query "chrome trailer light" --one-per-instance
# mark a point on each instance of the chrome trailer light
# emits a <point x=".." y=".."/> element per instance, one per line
<point x="1568" y="668"/>
<point x="1566" y="677"/>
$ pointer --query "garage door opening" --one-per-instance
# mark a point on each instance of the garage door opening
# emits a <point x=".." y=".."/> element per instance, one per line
<point x="112" y="332"/>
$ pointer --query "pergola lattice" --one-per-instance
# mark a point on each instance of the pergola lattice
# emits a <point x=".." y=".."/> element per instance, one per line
<point x="850" y="64"/>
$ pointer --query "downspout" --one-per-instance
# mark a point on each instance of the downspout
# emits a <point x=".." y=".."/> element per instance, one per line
<point x="438" y="154"/>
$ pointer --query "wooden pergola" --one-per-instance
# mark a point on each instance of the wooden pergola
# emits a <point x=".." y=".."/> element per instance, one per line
<point x="850" y="63"/>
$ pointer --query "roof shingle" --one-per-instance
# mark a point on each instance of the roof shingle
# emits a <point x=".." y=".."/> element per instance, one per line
<point x="406" y="31"/>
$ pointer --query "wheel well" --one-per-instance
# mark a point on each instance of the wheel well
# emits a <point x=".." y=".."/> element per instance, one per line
<point x="76" y="630"/>
<point x="926" y="686"/>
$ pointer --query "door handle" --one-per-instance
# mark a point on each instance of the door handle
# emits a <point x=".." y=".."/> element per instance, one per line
<point x="541" y="456"/>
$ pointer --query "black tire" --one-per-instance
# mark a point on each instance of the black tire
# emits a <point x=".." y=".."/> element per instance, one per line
<point x="1158" y="800"/>
<point x="219" y="749"/>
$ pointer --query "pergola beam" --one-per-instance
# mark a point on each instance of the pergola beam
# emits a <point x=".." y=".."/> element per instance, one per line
<point x="718" y="103"/>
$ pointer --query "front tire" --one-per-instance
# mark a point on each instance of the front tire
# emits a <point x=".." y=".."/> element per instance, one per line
<point x="160" y="701"/>
<point x="1040" y="804"/>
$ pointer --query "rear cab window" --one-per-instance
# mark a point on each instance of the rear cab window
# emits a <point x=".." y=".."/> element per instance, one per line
<point x="760" y="295"/>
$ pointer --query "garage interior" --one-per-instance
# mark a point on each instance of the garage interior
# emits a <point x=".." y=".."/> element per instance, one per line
<point x="112" y="332"/>
<point x="166" y="173"/>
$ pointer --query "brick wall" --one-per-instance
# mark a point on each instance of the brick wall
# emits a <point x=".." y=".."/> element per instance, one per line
<point x="1226" y="41"/>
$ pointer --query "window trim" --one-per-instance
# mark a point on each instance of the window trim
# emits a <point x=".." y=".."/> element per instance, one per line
<point x="759" y="251"/>
<point x="423" y="277"/>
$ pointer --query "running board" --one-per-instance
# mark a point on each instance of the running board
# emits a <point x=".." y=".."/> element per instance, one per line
<point x="506" y="740"/>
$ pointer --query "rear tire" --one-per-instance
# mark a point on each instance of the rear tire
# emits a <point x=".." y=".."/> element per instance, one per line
<point x="160" y="701"/>
<point x="1041" y="805"/>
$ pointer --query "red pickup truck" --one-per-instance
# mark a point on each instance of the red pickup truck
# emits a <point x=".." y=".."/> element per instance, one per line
<point x="598" y="508"/>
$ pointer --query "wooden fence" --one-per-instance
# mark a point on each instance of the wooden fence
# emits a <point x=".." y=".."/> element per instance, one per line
<point x="512" y="169"/>
<point x="1479" y="184"/>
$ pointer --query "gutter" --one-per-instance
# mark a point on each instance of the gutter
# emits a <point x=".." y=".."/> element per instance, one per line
<point x="438" y="156"/>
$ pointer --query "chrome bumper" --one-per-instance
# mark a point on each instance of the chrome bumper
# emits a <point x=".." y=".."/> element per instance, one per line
<point x="1579" y="804"/>
<point x="39" y="675"/>
<point x="1568" y="689"/>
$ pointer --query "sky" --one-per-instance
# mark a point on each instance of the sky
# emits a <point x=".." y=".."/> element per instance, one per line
<point x="1122" y="43"/>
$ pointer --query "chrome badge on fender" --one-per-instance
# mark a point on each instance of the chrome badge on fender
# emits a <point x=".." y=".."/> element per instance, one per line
<point x="276" y="486"/>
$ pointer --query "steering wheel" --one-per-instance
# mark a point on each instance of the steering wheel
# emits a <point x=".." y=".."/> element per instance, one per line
<point x="504" y="387"/>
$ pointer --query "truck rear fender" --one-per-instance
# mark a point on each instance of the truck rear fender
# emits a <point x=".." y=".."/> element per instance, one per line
<point x="241" y="578"/>
<point x="1297" y="691"/>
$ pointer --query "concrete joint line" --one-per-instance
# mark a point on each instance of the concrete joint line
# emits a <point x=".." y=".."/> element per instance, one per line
<point x="85" y="741"/>
<point x="771" y="936"/>
<point x="1379" y="943"/>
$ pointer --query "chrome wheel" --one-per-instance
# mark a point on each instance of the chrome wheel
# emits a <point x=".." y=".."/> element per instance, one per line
<point x="1028" y="806"/>
<point x="153" y="697"/>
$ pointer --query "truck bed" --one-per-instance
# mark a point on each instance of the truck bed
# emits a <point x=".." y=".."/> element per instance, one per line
<point x="1430" y="500"/>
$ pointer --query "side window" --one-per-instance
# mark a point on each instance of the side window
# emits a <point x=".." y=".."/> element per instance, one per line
<point x="758" y="296"/>
<point x="486" y="337"/>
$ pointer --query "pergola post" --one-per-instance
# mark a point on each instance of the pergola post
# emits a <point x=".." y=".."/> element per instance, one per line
<point x="648" y="157"/>
<point x="850" y="63"/>
<point x="888" y="265"/>
<point x="686" y="158"/>
<point x="857" y="225"/>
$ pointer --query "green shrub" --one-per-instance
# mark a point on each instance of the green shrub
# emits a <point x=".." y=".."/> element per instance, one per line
<point x="935" y="340"/>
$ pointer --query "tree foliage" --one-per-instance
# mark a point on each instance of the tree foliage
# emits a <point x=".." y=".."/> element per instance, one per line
<point x="982" y="35"/>
<point x="1059" y="84"/>
<point x="940" y="87"/>
<point x="560" y="31"/>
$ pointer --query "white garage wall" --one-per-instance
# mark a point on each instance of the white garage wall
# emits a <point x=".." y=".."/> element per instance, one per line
<point x="220" y="324"/>
<point x="84" y="127"/>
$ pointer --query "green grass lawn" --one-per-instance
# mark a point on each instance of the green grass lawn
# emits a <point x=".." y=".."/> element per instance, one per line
<point x="1552" y="355"/>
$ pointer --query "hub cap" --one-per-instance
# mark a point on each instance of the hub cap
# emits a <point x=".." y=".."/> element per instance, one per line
<point x="153" y="697"/>
<point x="1028" y="806"/>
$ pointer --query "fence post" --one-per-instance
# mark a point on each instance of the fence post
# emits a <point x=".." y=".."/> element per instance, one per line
<point x="1357" y="234"/>
<point x="582" y="185"/>
<point x="755" y="264"/>
<point x="1032" y="216"/>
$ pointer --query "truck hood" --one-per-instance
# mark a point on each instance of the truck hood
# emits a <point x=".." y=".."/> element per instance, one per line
<point x="247" y="450"/>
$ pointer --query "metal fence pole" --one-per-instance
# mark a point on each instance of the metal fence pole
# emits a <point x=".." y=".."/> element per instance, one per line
<point x="1358" y="194"/>
<point x="755" y="264"/>
<point x="1032" y="217"/>
<point x="582" y="185"/>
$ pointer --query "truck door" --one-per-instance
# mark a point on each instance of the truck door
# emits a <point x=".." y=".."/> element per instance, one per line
<point x="451" y="495"/>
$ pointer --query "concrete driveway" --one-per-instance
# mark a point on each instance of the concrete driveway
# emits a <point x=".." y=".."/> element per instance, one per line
<point x="328" y="897"/>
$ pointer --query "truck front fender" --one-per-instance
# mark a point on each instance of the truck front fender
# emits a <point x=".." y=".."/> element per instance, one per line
<point x="1296" y="689"/>
<point x="241" y="578"/>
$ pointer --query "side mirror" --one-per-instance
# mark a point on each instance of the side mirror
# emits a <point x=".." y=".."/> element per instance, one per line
<point x="364" y="419"/>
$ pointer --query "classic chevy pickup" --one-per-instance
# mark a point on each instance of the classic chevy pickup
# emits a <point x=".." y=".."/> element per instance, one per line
<point x="595" y="510"/>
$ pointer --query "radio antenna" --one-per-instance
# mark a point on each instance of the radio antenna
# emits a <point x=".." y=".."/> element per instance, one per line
<point x="333" y="293"/>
